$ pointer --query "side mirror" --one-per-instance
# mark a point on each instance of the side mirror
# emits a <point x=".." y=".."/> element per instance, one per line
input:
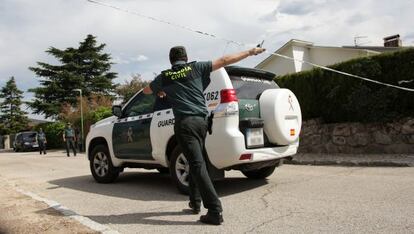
<point x="117" y="111"/>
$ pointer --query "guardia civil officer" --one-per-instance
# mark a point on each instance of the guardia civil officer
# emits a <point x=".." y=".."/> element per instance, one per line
<point x="41" y="140"/>
<point x="183" y="86"/>
<point x="69" y="138"/>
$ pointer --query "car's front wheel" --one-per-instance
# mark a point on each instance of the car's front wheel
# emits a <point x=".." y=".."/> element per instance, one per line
<point x="180" y="169"/>
<point x="261" y="173"/>
<point x="101" y="165"/>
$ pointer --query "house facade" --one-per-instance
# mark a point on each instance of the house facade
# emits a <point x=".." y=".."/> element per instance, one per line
<point x="321" y="55"/>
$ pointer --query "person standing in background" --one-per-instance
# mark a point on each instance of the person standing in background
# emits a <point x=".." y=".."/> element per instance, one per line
<point x="69" y="138"/>
<point x="41" y="140"/>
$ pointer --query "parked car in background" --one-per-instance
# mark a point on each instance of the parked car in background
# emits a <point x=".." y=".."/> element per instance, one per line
<point x="25" y="141"/>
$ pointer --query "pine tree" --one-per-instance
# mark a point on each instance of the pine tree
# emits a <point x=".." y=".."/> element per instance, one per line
<point x="12" y="118"/>
<point x="85" y="67"/>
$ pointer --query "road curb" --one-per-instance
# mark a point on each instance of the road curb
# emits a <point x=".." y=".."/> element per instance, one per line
<point x="104" y="229"/>
<point x="362" y="160"/>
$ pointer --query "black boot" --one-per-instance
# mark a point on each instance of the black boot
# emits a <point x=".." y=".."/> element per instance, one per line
<point x="212" y="218"/>
<point x="194" y="208"/>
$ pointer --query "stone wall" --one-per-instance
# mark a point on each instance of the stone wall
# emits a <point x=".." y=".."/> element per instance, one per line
<point x="6" y="142"/>
<point x="358" y="138"/>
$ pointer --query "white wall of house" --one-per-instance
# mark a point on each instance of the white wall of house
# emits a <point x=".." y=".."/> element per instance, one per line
<point x="301" y="53"/>
<point x="279" y="65"/>
<point x="331" y="55"/>
<point x="305" y="51"/>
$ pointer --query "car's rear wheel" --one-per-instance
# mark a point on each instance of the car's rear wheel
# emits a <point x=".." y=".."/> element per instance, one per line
<point x="179" y="170"/>
<point x="101" y="165"/>
<point x="259" y="173"/>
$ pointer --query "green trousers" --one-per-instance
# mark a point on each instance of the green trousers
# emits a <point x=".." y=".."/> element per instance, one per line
<point x="191" y="134"/>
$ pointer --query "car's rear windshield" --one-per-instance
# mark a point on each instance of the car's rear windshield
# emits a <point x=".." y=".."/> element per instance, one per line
<point x="29" y="136"/>
<point x="250" y="82"/>
<point x="251" y="87"/>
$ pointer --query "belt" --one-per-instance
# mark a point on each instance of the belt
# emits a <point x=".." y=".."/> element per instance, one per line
<point x="181" y="117"/>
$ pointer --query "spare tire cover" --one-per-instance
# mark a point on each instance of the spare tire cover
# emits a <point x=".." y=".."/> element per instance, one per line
<point x="280" y="110"/>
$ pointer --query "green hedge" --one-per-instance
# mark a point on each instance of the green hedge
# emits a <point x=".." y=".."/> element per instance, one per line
<point x="337" y="98"/>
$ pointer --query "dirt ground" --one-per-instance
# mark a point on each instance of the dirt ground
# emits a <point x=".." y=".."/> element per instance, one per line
<point x="22" y="214"/>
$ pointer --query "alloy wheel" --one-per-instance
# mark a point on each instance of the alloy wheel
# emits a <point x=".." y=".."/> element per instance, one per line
<point x="101" y="164"/>
<point x="182" y="169"/>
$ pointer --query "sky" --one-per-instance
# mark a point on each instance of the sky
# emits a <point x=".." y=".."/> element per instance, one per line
<point x="139" y="45"/>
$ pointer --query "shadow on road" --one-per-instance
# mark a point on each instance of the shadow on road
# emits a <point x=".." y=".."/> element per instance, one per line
<point x="150" y="186"/>
<point x="149" y="218"/>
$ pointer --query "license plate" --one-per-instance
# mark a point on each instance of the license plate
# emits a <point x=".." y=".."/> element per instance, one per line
<point x="254" y="137"/>
<point x="35" y="145"/>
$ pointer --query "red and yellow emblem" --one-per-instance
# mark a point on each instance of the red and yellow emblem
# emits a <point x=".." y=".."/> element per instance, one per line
<point x="292" y="132"/>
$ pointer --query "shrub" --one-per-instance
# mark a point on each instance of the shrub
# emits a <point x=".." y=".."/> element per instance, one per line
<point x="338" y="98"/>
<point x="99" y="114"/>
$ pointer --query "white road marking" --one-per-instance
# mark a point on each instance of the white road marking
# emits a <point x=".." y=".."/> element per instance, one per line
<point x="66" y="211"/>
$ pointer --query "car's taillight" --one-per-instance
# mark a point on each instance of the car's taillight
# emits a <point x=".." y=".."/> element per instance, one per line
<point x="246" y="157"/>
<point x="228" y="95"/>
<point x="229" y="105"/>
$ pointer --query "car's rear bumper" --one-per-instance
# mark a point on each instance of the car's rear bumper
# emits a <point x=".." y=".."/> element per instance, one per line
<point x="259" y="157"/>
<point x="226" y="146"/>
<point x="265" y="154"/>
<point x="27" y="148"/>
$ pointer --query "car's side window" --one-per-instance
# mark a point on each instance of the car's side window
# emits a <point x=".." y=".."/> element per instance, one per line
<point x="142" y="104"/>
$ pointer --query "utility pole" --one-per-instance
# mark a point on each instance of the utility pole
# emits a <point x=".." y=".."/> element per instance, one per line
<point x="81" y="112"/>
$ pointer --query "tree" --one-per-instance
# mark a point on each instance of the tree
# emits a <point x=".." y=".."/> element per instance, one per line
<point x="129" y="88"/>
<point x="85" y="67"/>
<point x="12" y="118"/>
<point x="96" y="108"/>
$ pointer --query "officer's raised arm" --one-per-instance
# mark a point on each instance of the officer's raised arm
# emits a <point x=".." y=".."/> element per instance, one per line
<point x="234" y="58"/>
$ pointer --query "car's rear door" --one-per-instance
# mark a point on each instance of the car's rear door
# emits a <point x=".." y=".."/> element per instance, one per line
<point x="249" y="84"/>
<point x="131" y="133"/>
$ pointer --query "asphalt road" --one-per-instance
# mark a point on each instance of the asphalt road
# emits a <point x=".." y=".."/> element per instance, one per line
<point x="295" y="199"/>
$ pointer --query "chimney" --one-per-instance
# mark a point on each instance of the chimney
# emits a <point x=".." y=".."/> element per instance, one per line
<point x="393" y="41"/>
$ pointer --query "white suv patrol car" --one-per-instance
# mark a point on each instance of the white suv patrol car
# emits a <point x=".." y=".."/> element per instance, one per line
<point x="255" y="125"/>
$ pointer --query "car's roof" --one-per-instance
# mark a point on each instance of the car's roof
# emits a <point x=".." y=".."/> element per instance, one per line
<point x="26" y="132"/>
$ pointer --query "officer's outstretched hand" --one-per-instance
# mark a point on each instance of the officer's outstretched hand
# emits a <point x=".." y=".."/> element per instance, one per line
<point x="256" y="51"/>
<point x="161" y="94"/>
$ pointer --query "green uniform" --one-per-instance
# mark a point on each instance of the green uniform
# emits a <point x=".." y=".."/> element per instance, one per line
<point x="41" y="140"/>
<point x="69" y="132"/>
<point x="184" y="84"/>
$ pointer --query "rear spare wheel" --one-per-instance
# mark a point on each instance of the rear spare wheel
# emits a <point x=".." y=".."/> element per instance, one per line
<point x="280" y="110"/>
